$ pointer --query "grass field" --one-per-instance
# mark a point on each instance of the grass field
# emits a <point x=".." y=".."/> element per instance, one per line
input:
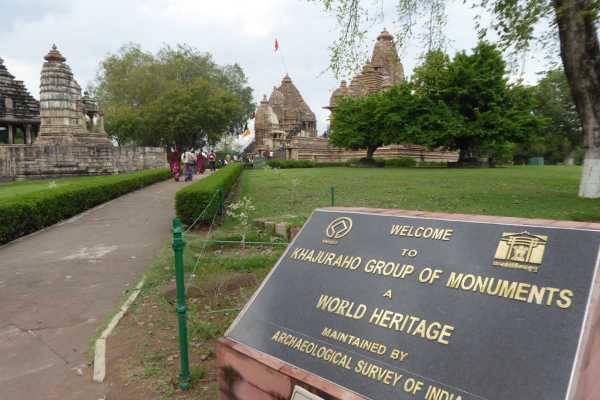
<point x="12" y="189"/>
<point x="227" y="275"/>
<point x="534" y="192"/>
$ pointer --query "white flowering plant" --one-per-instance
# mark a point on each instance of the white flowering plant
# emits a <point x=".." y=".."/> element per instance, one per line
<point x="240" y="211"/>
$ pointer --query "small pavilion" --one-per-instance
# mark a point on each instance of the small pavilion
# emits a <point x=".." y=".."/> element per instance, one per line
<point x="19" y="111"/>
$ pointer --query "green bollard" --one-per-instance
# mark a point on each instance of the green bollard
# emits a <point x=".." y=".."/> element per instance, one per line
<point x="333" y="196"/>
<point x="221" y="201"/>
<point x="178" y="246"/>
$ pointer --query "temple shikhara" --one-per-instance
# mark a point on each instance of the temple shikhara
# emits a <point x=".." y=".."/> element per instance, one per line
<point x="383" y="71"/>
<point x="66" y="116"/>
<point x="62" y="134"/>
<point x="285" y="126"/>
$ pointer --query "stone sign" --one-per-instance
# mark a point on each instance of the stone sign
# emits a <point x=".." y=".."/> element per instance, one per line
<point x="403" y="308"/>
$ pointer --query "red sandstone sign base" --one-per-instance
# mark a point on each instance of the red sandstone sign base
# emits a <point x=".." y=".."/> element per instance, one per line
<point x="246" y="374"/>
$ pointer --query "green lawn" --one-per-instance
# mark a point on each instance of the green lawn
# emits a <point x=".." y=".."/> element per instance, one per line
<point x="534" y="192"/>
<point x="12" y="189"/>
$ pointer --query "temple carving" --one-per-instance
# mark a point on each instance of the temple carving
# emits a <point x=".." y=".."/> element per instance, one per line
<point x="19" y="111"/>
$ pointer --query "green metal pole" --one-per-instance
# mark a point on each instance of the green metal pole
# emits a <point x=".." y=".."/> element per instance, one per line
<point x="178" y="246"/>
<point x="333" y="196"/>
<point x="221" y="201"/>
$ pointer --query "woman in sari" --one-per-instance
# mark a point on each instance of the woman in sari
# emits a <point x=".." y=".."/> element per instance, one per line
<point x="200" y="160"/>
<point x="175" y="166"/>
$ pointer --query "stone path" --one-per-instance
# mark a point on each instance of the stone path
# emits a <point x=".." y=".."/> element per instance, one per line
<point x="58" y="286"/>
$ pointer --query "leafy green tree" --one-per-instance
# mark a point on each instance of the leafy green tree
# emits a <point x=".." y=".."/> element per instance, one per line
<point x="372" y="121"/>
<point x="573" y="22"/>
<point x="148" y="99"/>
<point x="466" y="104"/>
<point x="563" y="134"/>
<point x="198" y="111"/>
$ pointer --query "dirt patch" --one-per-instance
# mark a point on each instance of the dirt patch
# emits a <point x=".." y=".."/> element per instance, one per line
<point x="143" y="353"/>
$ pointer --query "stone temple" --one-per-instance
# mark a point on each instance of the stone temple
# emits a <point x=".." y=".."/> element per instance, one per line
<point x="67" y="117"/>
<point x="295" y="116"/>
<point x="286" y="127"/>
<point x="18" y="109"/>
<point x="383" y="71"/>
<point x="71" y="139"/>
<point x="282" y="117"/>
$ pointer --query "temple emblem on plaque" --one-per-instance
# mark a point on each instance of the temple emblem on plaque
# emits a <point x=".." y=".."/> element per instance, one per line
<point x="337" y="229"/>
<point x="521" y="251"/>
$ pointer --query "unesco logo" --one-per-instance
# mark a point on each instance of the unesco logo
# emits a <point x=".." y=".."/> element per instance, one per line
<point x="337" y="229"/>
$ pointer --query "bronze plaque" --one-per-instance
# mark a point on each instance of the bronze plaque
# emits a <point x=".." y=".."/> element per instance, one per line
<point x="403" y="308"/>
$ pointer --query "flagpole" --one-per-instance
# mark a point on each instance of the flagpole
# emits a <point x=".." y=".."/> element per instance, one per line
<point x="278" y="50"/>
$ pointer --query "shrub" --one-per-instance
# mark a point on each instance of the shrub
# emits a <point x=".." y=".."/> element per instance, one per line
<point x="192" y="201"/>
<point x="402" y="162"/>
<point x="28" y="213"/>
<point x="284" y="164"/>
<point x="432" y="164"/>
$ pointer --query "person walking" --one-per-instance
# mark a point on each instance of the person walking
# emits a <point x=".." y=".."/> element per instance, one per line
<point x="200" y="161"/>
<point x="212" y="161"/>
<point x="174" y="162"/>
<point x="190" y="162"/>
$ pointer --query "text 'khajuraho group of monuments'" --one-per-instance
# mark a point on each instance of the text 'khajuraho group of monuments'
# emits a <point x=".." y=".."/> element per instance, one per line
<point x="285" y="126"/>
<point x="63" y="133"/>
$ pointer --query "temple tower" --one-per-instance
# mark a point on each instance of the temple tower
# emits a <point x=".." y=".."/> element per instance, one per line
<point x="63" y="111"/>
<point x="294" y="115"/>
<point x="383" y="71"/>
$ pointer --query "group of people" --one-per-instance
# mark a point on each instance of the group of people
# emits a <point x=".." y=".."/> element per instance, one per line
<point x="194" y="162"/>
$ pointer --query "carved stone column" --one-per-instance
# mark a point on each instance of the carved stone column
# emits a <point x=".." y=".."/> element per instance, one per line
<point x="11" y="138"/>
<point x="28" y="134"/>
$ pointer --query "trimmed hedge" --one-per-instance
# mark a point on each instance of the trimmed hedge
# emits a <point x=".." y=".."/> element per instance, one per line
<point x="286" y="164"/>
<point x="402" y="162"/>
<point x="191" y="201"/>
<point x="28" y="213"/>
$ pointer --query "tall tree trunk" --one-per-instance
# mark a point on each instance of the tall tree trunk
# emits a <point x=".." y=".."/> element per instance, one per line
<point x="370" y="152"/>
<point x="580" y="52"/>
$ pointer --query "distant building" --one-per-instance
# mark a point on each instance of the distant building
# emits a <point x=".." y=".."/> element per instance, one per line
<point x="18" y="109"/>
<point x="267" y="130"/>
<point x="294" y="115"/>
<point x="383" y="71"/>
<point x="286" y="127"/>
<point x="71" y="139"/>
<point x="66" y="116"/>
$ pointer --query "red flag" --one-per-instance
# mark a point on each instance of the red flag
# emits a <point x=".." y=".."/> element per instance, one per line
<point x="276" y="44"/>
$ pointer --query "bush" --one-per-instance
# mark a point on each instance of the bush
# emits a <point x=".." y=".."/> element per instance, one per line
<point x="31" y="212"/>
<point x="402" y="162"/>
<point x="191" y="201"/>
<point x="285" y="164"/>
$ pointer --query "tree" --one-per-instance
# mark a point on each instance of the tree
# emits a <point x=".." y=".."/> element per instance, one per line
<point x="563" y="134"/>
<point x="159" y="99"/>
<point x="573" y="21"/>
<point x="188" y="114"/>
<point x="372" y="121"/>
<point x="468" y="105"/>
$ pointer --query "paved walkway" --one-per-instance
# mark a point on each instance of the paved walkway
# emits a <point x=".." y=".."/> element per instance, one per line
<point x="58" y="286"/>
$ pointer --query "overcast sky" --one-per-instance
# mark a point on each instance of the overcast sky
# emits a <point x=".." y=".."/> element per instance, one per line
<point x="241" y="31"/>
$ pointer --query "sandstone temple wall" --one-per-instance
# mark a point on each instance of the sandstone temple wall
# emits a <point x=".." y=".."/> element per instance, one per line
<point x="46" y="161"/>
<point x="319" y="150"/>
